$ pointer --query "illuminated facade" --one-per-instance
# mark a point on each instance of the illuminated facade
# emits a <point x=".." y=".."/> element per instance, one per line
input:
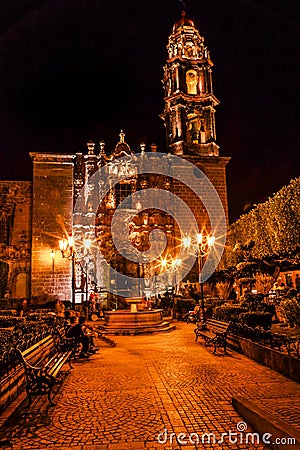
<point x="15" y="238"/>
<point x="58" y="180"/>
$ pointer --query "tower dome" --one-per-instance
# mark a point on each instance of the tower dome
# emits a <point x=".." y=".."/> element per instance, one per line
<point x="185" y="40"/>
<point x="183" y="22"/>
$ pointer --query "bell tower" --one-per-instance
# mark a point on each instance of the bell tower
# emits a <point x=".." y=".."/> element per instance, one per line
<point x="189" y="113"/>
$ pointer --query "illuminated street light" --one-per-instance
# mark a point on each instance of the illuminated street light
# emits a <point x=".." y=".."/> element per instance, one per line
<point x="52" y="256"/>
<point x="87" y="247"/>
<point x="68" y="251"/>
<point x="173" y="266"/>
<point x="199" y="245"/>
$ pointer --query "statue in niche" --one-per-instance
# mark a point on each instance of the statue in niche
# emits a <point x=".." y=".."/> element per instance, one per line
<point x="188" y="50"/>
<point x="168" y="86"/>
<point x="193" y="127"/>
<point x="179" y="49"/>
<point x="191" y="79"/>
<point x="202" y="135"/>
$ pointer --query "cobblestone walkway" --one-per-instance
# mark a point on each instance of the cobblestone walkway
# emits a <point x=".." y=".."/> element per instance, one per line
<point x="147" y="387"/>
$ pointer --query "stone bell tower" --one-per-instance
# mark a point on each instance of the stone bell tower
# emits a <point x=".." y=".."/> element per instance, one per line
<point x="189" y="113"/>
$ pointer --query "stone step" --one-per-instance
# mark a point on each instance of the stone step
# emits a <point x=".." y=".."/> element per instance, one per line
<point x="162" y="327"/>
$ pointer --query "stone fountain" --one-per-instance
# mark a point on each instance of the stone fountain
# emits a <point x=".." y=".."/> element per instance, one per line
<point x="136" y="320"/>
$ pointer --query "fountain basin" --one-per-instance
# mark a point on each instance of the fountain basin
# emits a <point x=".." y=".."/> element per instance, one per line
<point x="134" y="322"/>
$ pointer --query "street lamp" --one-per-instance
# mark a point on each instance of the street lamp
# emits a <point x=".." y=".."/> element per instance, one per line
<point x="172" y="265"/>
<point x="52" y="256"/>
<point x="175" y="266"/>
<point x="67" y="248"/>
<point x="139" y="277"/>
<point x="199" y="245"/>
<point x="68" y="251"/>
<point x="87" y="246"/>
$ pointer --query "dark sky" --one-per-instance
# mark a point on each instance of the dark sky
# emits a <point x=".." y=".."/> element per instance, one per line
<point x="74" y="70"/>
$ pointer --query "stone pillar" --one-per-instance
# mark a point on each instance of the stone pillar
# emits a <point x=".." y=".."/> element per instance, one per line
<point x="178" y="121"/>
<point x="52" y="219"/>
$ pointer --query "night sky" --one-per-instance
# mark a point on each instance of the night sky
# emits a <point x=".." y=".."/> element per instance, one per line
<point x="75" y="70"/>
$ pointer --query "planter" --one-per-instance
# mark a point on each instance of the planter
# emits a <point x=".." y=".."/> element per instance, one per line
<point x="284" y="364"/>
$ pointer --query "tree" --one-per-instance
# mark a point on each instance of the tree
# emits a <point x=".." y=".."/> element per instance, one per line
<point x="269" y="233"/>
<point x="265" y="240"/>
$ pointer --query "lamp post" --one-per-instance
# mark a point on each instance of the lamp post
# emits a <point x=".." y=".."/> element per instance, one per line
<point x="68" y="245"/>
<point x="67" y="248"/>
<point x="199" y="245"/>
<point x="155" y="286"/>
<point x="173" y="265"/>
<point x="87" y="247"/>
<point x="52" y="256"/>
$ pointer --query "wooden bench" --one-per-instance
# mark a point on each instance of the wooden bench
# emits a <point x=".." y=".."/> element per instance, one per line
<point x="214" y="333"/>
<point x="40" y="379"/>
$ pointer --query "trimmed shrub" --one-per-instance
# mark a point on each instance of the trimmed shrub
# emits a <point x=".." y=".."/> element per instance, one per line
<point x="292" y="310"/>
<point x="228" y="313"/>
<point x="256" y="319"/>
<point x="252" y="302"/>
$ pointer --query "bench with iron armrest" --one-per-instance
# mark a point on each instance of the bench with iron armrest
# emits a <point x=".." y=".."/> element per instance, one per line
<point x="213" y="332"/>
<point x="64" y="343"/>
<point x="41" y="379"/>
<point x="284" y="342"/>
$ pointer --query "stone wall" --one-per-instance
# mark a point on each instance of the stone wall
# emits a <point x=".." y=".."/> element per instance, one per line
<point x="51" y="221"/>
<point x="15" y="237"/>
<point x="215" y="170"/>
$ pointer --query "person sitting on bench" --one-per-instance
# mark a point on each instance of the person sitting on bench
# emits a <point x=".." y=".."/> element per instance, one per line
<point x="76" y="331"/>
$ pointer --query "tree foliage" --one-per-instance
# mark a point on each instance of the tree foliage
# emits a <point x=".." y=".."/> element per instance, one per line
<point x="270" y="232"/>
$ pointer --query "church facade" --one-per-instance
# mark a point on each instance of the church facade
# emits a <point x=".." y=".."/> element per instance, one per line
<point x="50" y="248"/>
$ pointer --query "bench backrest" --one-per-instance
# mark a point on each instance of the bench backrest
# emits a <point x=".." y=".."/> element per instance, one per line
<point x="35" y="354"/>
<point x="216" y="326"/>
<point x="12" y="383"/>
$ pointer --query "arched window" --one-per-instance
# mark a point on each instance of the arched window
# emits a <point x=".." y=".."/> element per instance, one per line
<point x="21" y="286"/>
<point x="193" y="128"/>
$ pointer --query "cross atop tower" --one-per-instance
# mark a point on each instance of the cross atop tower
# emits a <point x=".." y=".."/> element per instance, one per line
<point x="122" y="136"/>
<point x="183" y="2"/>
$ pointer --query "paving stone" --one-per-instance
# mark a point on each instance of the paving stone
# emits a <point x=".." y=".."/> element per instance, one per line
<point x="130" y="394"/>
